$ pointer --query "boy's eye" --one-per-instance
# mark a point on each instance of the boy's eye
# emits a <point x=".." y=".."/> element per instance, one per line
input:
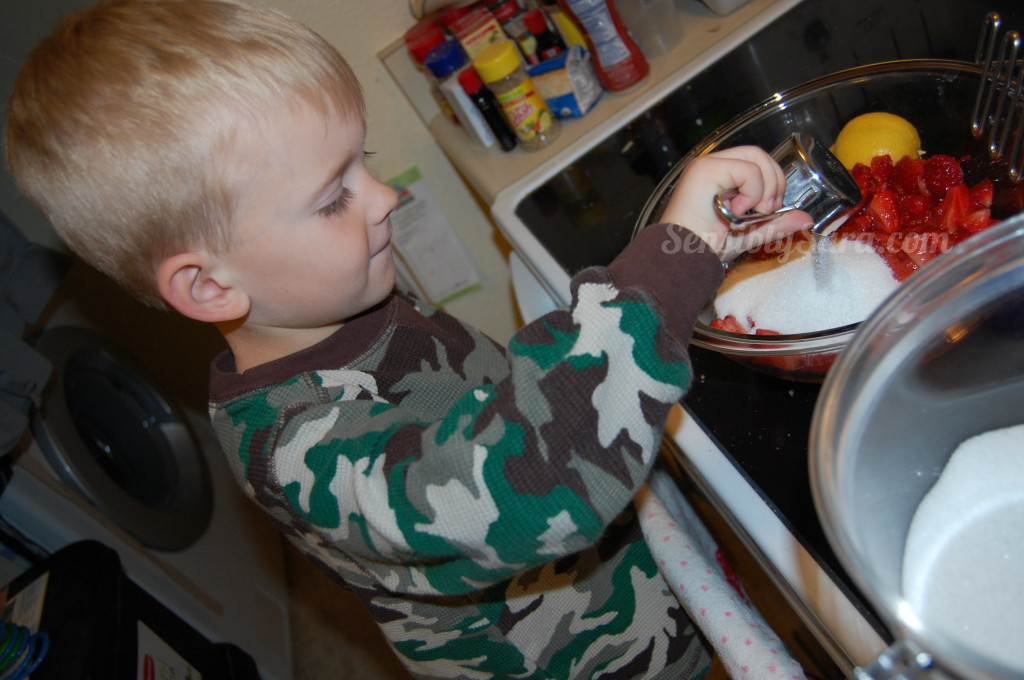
<point x="344" y="198"/>
<point x="337" y="205"/>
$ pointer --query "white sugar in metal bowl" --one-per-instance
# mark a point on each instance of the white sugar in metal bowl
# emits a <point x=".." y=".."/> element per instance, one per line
<point x="963" y="567"/>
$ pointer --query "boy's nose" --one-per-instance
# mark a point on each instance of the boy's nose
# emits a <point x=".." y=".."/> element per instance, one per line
<point x="385" y="200"/>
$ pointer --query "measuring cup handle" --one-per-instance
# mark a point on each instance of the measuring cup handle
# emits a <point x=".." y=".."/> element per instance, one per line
<point x="740" y="221"/>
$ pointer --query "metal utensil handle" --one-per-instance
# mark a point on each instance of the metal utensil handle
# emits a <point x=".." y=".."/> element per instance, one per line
<point x="742" y="221"/>
<point x="999" y="105"/>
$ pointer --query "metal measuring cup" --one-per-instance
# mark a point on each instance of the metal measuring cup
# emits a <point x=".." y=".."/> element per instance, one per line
<point x="816" y="182"/>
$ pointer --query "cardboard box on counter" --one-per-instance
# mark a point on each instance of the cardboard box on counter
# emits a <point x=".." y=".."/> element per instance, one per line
<point x="567" y="83"/>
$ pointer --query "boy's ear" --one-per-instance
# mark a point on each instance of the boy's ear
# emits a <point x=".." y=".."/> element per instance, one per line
<point x="187" y="284"/>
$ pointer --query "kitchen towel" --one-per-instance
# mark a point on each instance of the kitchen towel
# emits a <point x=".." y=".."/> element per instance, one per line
<point x="707" y="587"/>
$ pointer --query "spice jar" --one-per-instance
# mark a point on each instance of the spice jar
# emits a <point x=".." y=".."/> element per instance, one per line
<point x="501" y="67"/>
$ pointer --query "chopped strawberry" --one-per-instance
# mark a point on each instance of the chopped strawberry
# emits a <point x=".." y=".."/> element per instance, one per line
<point x="812" y="367"/>
<point x="818" y="363"/>
<point x="729" y="323"/>
<point x="857" y="223"/>
<point x="864" y="179"/>
<point x="979" y="220"/>
<point x="884" y="208"/>
<point x="982" y="192"/>
<point x="941" y="173"/>
<point x="925" y="246"/>
<point x="881" y="170"/>
<point x="915" y="210"/>
<point x="902" y="265"/>
<point x="920" y="259"/>
<point x="908" y="175"/>
<point x="954" y="207"/>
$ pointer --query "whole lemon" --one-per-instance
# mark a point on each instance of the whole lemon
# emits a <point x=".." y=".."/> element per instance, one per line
<point x="876" y="134"/>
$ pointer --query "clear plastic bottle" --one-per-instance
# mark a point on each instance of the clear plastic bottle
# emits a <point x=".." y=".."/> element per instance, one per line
<point x="617" y="58"/>
<point x="501" y="67"/>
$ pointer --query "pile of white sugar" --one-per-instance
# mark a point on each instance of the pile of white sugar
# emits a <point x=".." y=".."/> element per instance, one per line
<point x="785" y="294"/>
<point x="963" y="565"/>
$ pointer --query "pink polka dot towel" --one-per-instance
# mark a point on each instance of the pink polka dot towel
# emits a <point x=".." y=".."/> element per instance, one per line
<point x="703" y="580"/>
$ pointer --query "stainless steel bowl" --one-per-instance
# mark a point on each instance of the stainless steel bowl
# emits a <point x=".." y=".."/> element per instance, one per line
<point x="933" y="366"/>
<point x="936" y="96"/>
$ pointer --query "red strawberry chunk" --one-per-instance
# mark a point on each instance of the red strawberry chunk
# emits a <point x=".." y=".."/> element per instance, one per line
<point x="729" y="323"/>
<point x="954" y="207"/>
<point x="915" y="210"/>
<point x="941" y="173"/>
<point x="905" y="175"/>
<point x="859" y="222"/>
<point x="923" y="247"/>
<point x="979" y="220"/>
<point x="864" y="179"/>
<point x="884" y="208"/>
<point x="981" y="193"/>
<point x="881" y="170"/>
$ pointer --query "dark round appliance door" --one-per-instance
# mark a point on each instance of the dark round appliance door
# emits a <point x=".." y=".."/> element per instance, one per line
<point x="116" y="437"/>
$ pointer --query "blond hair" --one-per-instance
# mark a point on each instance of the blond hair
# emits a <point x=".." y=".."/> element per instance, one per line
<point x="119" y="122"/>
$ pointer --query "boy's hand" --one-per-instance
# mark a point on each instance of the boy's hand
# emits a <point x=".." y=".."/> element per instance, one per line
<point x="761" y="185"/>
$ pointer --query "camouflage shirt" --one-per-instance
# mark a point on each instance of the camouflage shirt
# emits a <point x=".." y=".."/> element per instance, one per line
<point x="478" y="497"/>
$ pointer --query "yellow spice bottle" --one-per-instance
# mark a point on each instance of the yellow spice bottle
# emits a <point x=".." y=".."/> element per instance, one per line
<point x="501" y="68"/>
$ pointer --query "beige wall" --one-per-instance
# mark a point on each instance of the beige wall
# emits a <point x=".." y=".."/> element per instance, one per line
<point x="360" y="29"/>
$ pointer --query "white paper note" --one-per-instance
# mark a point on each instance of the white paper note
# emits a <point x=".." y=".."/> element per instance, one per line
<point x="431" y="252"/>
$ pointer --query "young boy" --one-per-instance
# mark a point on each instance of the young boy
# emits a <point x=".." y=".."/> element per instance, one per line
<point x="210" y="157"/>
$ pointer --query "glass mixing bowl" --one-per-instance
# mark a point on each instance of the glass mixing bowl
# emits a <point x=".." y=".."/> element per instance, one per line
<point x="936" y="96"/>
